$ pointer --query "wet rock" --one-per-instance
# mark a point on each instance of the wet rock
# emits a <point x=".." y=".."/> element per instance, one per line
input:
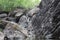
<point x="13" y="31"/>
<point x="39" y="22"/>
<point x="44" y="3"/>
<point x="45" y="23"/>
<point x="3" y="15"/>
<point x="2" y="36"/>
<point x="23" y="21"/>
<point x="6" y="38"/>
<point x="33" y="11"/>
<point x="14" y="35"/>
<point x="2" y="25"/>
<point x="11" y="19"/>
<point x="16" y="12"/>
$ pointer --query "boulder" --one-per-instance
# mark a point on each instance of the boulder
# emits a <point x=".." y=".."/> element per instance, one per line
<point x="47" y="22"/>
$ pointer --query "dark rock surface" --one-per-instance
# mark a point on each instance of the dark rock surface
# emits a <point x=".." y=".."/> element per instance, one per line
<point x="34" y="24"/>
<point x="47" y="21"/>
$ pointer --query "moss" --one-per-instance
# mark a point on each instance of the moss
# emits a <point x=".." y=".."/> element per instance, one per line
<point x="1" y="30"/>
<point x="7" y="5"/>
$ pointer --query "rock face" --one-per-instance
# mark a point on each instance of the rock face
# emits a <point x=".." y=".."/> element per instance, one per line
<point x="35" y="24"/>
<point x="47" y="22"/>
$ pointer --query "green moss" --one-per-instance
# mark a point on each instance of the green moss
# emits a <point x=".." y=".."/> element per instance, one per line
<point x="1" y="30"/>
<point x="7" y="5"/>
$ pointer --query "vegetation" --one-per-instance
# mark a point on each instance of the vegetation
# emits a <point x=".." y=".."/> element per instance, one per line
<point x="7" y="5"/>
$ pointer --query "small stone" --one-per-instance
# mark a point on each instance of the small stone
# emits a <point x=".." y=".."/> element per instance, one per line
<point x="2" y="36"/>
<point x="18" y="14"/>
<point x="3" y="15"/>
<point x="11" y="19"/>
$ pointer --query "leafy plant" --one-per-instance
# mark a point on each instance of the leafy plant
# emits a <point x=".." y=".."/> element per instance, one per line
<point x="7" y="5"/>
